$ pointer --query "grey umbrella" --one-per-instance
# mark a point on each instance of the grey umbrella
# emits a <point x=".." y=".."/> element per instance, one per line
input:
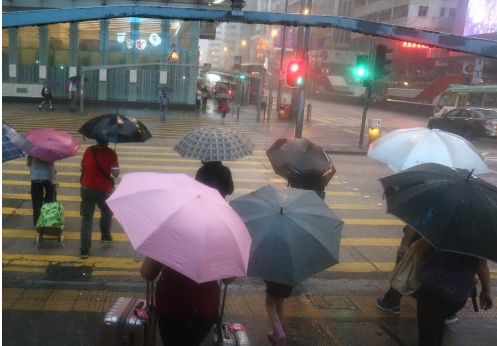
<point x="14" y="145"/>
<point x="214" y="143"/>
<point x="294" y="233"/>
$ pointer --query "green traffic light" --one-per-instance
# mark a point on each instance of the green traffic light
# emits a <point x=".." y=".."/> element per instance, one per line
<point x="361" y="69"/>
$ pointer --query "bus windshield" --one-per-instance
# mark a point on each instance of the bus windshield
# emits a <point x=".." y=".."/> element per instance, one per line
<point x="467" y="96"/>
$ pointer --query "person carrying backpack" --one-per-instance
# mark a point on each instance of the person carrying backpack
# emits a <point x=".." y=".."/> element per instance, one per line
<point x="447" y="280"/>
<point x="46" y="94"/>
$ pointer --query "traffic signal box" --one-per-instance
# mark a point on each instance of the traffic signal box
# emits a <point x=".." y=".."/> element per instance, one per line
<point x="295" y="74"/>
<point x="237" y="5"/>
<point x="381" y="61"/>
<point x="361" y="70"/>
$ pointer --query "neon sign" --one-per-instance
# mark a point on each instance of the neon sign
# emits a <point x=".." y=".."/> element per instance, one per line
<point x="406" y="44"/>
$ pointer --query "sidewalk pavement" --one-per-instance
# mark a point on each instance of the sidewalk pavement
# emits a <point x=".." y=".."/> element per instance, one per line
<point x="57" y="313"/>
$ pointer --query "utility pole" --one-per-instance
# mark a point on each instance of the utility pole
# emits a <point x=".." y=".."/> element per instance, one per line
<point x="280" y="79"/>
<point x="301" y="95"/>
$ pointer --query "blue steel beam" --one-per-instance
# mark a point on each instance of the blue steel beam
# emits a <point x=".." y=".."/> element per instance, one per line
<point x="457" y="43"/>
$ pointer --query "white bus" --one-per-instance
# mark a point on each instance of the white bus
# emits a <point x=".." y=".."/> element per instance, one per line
<point x="484" y="96"/>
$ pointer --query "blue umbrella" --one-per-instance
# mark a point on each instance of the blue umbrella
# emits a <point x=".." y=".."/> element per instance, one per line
<point x="14" y="145"/>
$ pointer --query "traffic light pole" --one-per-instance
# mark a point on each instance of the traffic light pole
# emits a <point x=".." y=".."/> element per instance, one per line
<point x="301" y="100"/>
<point x="367" y="93"/>
<point x="365" y="111"/>
<point x="280" y="79"/>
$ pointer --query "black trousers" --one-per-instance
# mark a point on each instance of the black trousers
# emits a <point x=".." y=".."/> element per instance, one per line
<point x="42" y="191"/>
<point x="177" y="332"/>
<point x="432" y="310"/>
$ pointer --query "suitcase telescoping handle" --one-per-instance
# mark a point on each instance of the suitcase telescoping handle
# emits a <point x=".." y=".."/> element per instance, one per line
<point x="150" y="294"/>
<point x="219" y="326"/>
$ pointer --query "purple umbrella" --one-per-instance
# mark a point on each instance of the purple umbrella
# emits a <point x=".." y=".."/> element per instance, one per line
<point x="51" y="145"/>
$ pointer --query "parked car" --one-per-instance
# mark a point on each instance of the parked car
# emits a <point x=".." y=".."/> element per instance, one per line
<point x="469" y="123"/>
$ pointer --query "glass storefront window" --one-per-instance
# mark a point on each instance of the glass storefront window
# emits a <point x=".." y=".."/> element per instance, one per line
<point x="88" y="43"/>
<point x="28" y="45"/>
<point x="58" y="46"/>
<point x="119" y="40"/>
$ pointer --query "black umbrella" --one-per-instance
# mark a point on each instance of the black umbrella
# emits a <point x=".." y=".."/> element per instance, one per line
<point x="115" y="128"/>
<point x="453" y="209"/>
<point x="298" y="159"/>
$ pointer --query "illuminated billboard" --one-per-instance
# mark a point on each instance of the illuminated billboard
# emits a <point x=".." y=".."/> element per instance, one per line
<point x="481" y="17"/>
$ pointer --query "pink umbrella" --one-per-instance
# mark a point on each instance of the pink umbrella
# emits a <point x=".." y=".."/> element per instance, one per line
<point x="51" y="145"/>
<point x="183" y="224"/>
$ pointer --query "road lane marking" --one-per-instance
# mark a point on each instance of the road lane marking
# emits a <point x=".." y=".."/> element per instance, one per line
<point x="67" y="198"/>
<point x="348" y="221"/>
<point x="122" y="237"/>
<point x="27" y="197"/>
<point x="130" y="266"/>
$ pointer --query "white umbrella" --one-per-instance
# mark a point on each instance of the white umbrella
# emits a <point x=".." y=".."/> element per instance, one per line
<point x="405" y="148"/>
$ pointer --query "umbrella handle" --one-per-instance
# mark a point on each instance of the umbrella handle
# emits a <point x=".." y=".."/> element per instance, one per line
<point x="219" y="326"/>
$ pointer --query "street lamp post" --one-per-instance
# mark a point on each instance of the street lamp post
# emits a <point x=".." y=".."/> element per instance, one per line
<point x="280" y="79"/>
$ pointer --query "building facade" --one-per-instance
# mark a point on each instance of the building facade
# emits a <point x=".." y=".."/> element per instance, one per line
<point x="119" y="59"/>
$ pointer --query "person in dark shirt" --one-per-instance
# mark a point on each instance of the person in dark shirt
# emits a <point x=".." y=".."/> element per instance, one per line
<point x="214" y="174"/>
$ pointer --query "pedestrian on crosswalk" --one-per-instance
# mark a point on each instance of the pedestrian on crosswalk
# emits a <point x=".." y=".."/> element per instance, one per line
<point x="46" y="93"/>
<point x="163" y="103"/>
<point x="99" y="167"/>
<point x="42" y="175"/>
<point x="391" y="300"/>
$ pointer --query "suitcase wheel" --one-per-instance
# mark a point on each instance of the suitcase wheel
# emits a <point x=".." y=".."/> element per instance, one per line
<point x="38" y="241"/>
<point x="61" y="241"/>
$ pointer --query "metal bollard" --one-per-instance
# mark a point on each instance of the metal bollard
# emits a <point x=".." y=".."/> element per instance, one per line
<point x="374" y="129"/>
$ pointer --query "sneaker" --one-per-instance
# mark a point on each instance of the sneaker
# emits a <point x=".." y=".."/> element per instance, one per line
<point x="451" y="319"/>
<point x="106" y="240"/>
<point x="51" y="108"/>
<point x="383" y="306"/>
<point x="39" y="107"/>
<point x="85" y="255"/>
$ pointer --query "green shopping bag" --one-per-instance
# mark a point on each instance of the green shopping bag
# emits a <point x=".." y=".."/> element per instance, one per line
<point x="52" y="215"/>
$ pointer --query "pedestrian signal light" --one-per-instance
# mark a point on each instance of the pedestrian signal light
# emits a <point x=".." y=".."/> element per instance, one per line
<point x="295" y="74"/>
<point x="237" y="7"/>
<point x="361" y="70"/>
<point x="381" y="61"/>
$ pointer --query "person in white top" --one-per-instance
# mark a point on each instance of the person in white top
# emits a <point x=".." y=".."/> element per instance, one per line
<point x="43" y="183"/>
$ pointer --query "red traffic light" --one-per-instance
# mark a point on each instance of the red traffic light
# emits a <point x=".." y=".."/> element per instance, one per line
<point x="295" y="74"/>
<point x="381" y="60"/>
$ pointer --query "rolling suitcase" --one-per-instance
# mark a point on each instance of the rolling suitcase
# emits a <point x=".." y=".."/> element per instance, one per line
<point x="50" y="224"/>
<point x="234" y="334"/>
<point x="231" y="334"/>
<point x="130" y="321"/>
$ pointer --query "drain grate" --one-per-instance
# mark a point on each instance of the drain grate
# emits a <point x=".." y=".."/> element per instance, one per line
<point x="64" y="271"/>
